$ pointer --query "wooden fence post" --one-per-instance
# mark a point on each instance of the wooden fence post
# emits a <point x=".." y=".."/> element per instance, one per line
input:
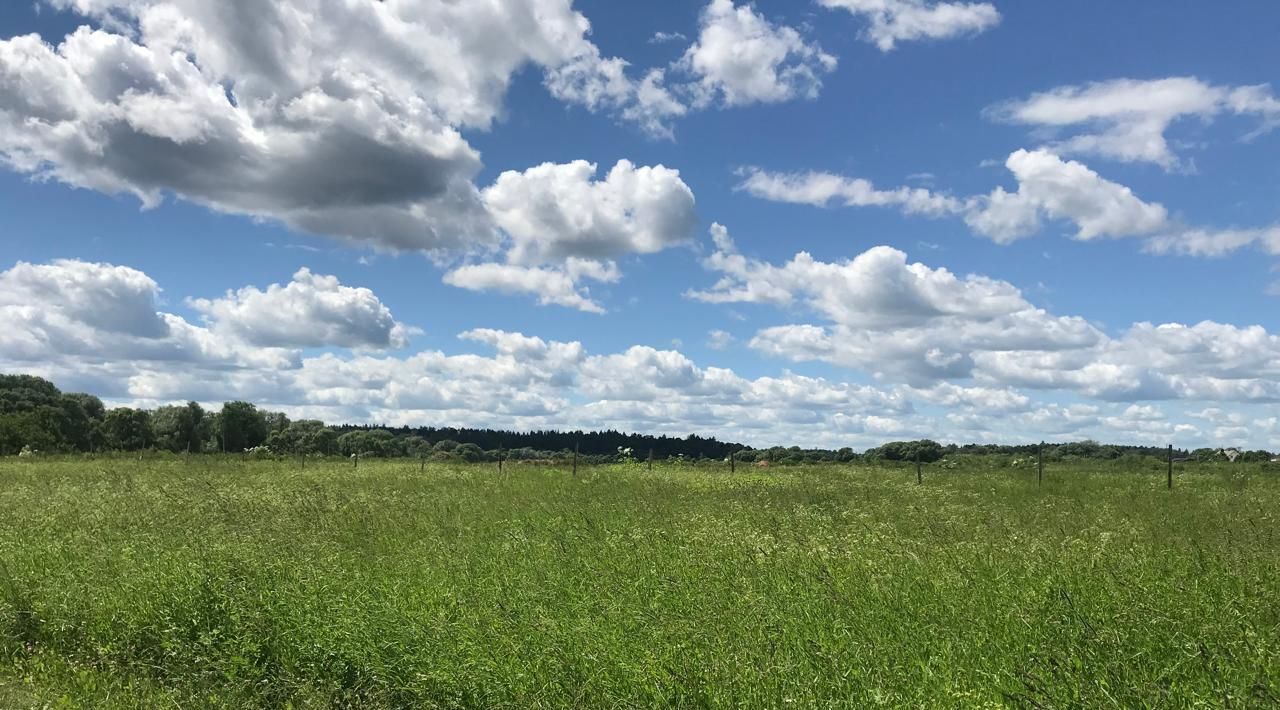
<point x="355" y="460"/>
<point x="919" y="474"/>
<point x="575" y="459"/>
<point x="1170" y="466"/>
<point x="732" y="463"/>
<point x="1040" y="464"/>
<point x="650" y="460"/>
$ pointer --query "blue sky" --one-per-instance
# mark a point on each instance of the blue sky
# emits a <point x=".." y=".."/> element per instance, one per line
<point x="967" y="221"/>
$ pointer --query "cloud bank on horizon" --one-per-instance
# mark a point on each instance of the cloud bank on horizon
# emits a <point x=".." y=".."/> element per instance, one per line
<point x="496" y="219"/>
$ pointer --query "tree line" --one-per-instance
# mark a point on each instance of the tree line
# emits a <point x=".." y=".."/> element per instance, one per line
<point x="38" y="417"/>
<point x="35" y="416"/>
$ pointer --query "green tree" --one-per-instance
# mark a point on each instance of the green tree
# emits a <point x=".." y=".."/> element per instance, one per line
<point x="1207" y="455"/>
<point x="128" y="429"/>
<point x="275" y="421"/>
<point x="306" y="436"/>
<point x="469" y="452"/>
<point x="179" y="428"/>
<point x="1087" y="449"/>
<point x="927" y="449"/>
<point x="240" y="426"/>
<point x="21" y="393"/>
<point x="445" y="446"/>
<point x="74" y="425"/>
<point x="415" y="446"/>
<point x="91" y="405"/>
<point x="323" y="441"/>
<point x="30" y="428"/>
<point x="367" y="442"/>
<point x="44" y="417"/>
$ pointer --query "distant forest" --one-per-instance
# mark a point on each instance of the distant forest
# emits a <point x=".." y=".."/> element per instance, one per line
<point x="37" y="417"/>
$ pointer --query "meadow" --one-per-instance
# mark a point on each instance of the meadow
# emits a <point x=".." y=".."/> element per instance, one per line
<point x="225" y="582"/>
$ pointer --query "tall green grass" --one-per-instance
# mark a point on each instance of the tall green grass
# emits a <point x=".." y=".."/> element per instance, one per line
<point x="220" y="582"/>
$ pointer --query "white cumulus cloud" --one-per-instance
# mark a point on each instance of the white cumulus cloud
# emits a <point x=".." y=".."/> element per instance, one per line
<point x="113" y="299"/>
<point x="894" y="21"/>
<point x="902" y="320"/>
<point x="563" y="226"/>
<point x="105" y="316"/>
<point x="555" y="211"/>
<point x="740" y="57"/>
<point x="1128" y="119"/>
<point x="1049" y="186"/>
<point x="551" y="285"/>
<point x="1016" y="368"/>
<point x="822" y="189"/>
<point x="923" y="326"/>
<point x="310" y="311"/>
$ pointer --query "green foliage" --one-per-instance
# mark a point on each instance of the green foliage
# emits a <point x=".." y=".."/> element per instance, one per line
<point x="180" y="428"/>
<point x="275" y="422"/>
<point x="36" y="415"/>
<point x="369" y="442"/>
<point x="224" y="582"/>
<point x="33" y="429"/>
<point x="241" y="426"/>
<point x="926" y="450"/>
<point x="469" y="452"/>
<point x="92" y="406"/>
<point x="1206" y="455"/>
<point x="126" y="429"/>
<point x="415" y="446"/>
<point x="20" y="393"/>
<point x="1087" y="449"/>
<point x="304" y="437"/>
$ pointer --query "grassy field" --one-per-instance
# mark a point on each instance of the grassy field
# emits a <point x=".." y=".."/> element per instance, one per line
<point x="226" y="583"/>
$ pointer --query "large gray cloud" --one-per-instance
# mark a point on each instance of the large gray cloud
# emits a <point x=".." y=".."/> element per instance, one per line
<point x="335" y="117"/>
